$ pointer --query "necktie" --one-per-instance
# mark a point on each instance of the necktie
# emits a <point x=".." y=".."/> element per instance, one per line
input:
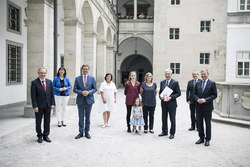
<point x="167" y="83"/>
<point x="203" y="86"/>
<point x="44" y="87"/>
<point x="194" y="82"/>
<point x="84" y="82"/>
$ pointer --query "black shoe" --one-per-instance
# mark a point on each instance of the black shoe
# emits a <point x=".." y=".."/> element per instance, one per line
<point x="151" y="131"/>
<point x="200" y="141"/>
<point x="171" y="136"/>
<point x="87" y="136"/>
<point x="129" y="130"/>
<point x="191" y="129"/>
<point x="145" y="131"/>
<point x="163" y="134"/>
<point x="207" y="143"/>
<point x="64" y="125"/>
<point x="79" y="136"/>
<point x="46" y="138"/>
<point x="40" y="140"/>
<point x="59" y="126"/>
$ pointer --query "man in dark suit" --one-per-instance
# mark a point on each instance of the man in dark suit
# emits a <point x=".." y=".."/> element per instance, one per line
<point x="169" y="105"/>
<point x="84" y="87"/>
<point x="42" y="97"/>
<point x="190" y="99"/>
<point x="204" y="93"/>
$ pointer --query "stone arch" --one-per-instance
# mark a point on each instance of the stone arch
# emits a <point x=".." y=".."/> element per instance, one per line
<point x="87" y="16"/>
<point x="69" y="9"/>
<point x="100" y="28"/>
<point x="138" y="36"/>
<point x="109" y="36"/>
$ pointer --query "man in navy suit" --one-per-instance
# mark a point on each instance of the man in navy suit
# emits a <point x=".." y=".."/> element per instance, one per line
<point x="84" y="87"/>
<point x="204" y="93"/>
<point x="42" y="97"/>
<point x="169" y="105"/>
<point x="190" y="99"/>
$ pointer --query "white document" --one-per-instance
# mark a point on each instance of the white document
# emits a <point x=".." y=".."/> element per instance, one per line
<point x="166" y="93"/>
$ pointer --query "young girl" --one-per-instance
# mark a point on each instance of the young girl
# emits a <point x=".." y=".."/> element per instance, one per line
<point x="137" y="118"/>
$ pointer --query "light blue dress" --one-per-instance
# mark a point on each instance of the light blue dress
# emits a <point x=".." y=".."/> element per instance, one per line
<point x="137" y="122"/>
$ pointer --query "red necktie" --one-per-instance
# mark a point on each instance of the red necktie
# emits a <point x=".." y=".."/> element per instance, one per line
<point x="44" y="87"/>
<point x="84" y="82"/>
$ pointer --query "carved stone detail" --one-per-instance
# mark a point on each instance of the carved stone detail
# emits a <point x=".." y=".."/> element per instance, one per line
<point x="246" y="100"/>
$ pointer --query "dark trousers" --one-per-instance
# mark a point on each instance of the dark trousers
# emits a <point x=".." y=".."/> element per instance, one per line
<point x="207" y="116"/>
<point x="45" y="114"/>
<point x="148" y="111"/>
<point x="172" y="112"/>
<point x="129" y="107"/>
<point x="193" y="115"/>
<point x="84" y="111"/>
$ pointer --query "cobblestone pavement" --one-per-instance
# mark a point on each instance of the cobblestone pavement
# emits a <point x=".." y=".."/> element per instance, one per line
<point x="114" y="147"/>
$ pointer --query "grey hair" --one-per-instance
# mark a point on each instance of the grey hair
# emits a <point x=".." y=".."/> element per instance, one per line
<point x="195" y="71"/>
<point x="205" y="70"/>
<point x="169" y="70"/>
<point x="41" y="68"/>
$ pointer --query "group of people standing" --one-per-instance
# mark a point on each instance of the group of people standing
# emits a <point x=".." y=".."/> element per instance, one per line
<point x="45" y="94"/>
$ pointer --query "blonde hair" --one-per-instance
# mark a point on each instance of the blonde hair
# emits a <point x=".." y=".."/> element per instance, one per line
<point x="131" y="74"/>
<point x="147" y="74"/>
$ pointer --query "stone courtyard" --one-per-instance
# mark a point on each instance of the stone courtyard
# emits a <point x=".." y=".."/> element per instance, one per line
<point x="114" y="147"/>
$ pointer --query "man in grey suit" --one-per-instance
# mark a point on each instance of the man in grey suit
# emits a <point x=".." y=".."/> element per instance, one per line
<point x="43" y="101"/>
<point x="169" y="105"/>
<point x="204" y="93"/>
<point x="190" y="99"/>
<point x="84" y="87"/>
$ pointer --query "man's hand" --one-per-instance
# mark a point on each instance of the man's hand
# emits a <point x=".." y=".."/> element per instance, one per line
<point x="162" y="98"/>
<point x="85" y="93"/>
<point x="200" y="101"/>
<point x="52" y="107"/>
<point x="168" y="99"/>
<point x="189" y="102"/>
<point x="36" y="109"/>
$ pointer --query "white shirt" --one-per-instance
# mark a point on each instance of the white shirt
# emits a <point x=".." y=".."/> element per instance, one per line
<point x="168" y="81"/>
<point x="83" y="78"/>
<point x="205" y="83"/>
<point x="42" y="81"/>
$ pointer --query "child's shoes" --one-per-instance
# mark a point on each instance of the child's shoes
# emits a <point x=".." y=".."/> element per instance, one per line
<point x="134" y="131"/>
<point x="140" y="132"/>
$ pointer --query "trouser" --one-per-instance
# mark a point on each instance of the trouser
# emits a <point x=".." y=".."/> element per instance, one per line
<point x="193" y="115"/>
<point x="61" y="107"/>
<point x="207" y="116"/>
<point x="148" y="111"/>
<point x="84" y="111"/>
<point x="45" y="114"/>
<point x="172" y="112"/>
<point x="129" y="107"/>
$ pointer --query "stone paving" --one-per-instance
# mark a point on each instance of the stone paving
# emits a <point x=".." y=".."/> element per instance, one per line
<point x="114" y="147"/>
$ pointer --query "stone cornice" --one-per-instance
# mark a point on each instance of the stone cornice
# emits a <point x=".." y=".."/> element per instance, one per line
<point x="72" y="22"/>
<point x="102" y="42"/>
<point x="90" y="34"/>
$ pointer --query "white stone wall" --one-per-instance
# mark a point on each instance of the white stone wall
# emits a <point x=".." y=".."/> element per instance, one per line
<point x="238" y="39"/>
<point x="186" y="50"/>
<point x="12" y="93"/>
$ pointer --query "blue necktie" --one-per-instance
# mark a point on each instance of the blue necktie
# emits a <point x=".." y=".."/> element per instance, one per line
<point x="203" y="86"/>
<point x="167" y="83"/>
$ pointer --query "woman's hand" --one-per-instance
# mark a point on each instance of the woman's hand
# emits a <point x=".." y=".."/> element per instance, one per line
<point x="104" y="100"/>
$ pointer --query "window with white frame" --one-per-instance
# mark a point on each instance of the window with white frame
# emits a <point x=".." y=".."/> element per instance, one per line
<point x="14" y="18"/>
<point x="244" y="5"/>
<point x="14" y="63"/>
<point x="205" y="26"/>
<point x="243" y="62"/>
<point x="174" y="33"/>
<point x="175" y="67"/>
<point x="204" y="58"/>
<point x="175" y="2"/>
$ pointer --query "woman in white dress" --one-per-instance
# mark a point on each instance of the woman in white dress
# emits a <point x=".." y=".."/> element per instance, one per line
<point x="108" y="94"/>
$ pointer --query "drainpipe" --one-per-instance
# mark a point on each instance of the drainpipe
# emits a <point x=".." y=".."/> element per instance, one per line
<point x="55" y="37"/>
<point x="117" y="41"/>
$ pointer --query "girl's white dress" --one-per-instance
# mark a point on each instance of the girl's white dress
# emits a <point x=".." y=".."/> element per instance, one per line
<point x="108" y="90"/>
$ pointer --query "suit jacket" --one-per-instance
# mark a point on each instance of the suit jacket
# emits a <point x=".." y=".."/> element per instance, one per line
<point x="90" y="87"/>
<point x="190" y="91"/>
<point x="174" y="85"/>
<point x="209" y="94"/>
<point x="39" y="98"/>
<point x="57" y="85"/>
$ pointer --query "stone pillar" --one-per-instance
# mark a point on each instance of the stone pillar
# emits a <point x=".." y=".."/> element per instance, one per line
<point x="39" y="44"/>
<point x="72" y="52"/>
<point x="90" y="39"/>
<point x="100" y="61"/>
<point x="135" y="9"/>
<point x="110" y="61"/>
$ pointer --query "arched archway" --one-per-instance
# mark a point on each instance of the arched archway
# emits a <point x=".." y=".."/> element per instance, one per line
<point x="137" y="63"/>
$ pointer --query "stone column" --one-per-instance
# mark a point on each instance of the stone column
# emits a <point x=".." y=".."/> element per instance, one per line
<point x="135" y="9"/>
<point x="90" y="39"/>
<point x="72" y="52"/>
<point x="39" y="44"/>
<point x="100" y="61"/>
<point x="110" y="61"/>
